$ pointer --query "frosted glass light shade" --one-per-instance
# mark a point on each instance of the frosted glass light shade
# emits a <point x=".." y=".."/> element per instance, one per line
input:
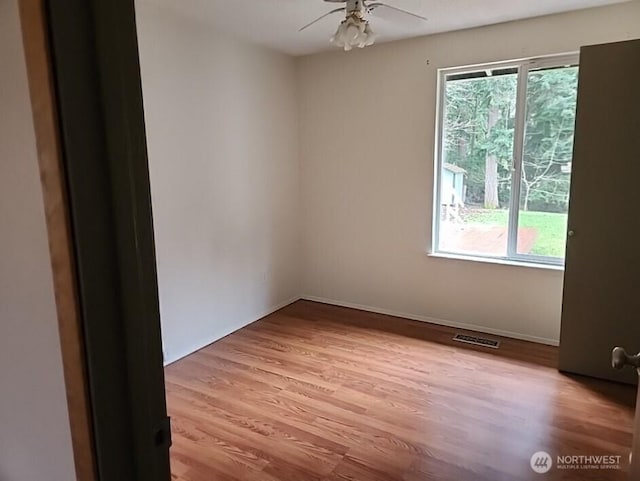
<point x="353" y="32"/>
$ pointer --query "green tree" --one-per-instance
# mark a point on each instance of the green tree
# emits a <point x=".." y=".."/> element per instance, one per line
<point x="479" y="132"/>
<point x="551" y="101"/>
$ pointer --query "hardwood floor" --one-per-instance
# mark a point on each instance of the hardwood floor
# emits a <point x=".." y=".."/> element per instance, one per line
<point x="316" y="392"/>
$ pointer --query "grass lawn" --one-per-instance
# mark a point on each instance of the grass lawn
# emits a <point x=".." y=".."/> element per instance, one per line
<point x="551" y="227"/>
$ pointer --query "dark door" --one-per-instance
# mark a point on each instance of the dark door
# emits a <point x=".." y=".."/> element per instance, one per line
<point x="99" y="99"/>
<point x="601" y="304"/>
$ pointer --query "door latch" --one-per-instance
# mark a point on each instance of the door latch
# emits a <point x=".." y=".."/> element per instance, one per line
<point x="162" y="435"/>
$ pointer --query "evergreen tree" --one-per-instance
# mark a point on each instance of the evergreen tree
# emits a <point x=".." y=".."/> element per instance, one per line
<point x="479" y="134"/>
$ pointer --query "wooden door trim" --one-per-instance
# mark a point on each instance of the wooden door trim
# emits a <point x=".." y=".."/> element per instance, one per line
<point x="55" y="197"/>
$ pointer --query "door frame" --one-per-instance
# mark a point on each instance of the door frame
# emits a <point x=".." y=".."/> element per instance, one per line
<point x="55" y="197"/>
<point x="86" y="52"/>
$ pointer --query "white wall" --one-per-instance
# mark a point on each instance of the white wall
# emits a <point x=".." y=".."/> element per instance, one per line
<point x="223" y="154"/>
<point x="367" y="142"/>
<point x="35" y="442"/>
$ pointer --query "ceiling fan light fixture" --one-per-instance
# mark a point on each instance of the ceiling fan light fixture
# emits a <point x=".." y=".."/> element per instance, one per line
<point x="354" y="31"/>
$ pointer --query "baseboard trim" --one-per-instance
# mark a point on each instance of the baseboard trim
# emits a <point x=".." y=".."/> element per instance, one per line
<point x="226" y="332"/>
<point x="433" y="320"/>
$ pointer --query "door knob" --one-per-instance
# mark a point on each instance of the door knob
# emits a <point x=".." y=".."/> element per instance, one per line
<point x="620" y="358"/>
<point x="571" y="233"/>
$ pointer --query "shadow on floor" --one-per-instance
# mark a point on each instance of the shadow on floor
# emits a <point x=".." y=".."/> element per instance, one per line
<point x="616" y="392"/>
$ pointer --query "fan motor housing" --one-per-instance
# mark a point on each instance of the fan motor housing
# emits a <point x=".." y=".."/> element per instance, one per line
<point x="355" y="6"/>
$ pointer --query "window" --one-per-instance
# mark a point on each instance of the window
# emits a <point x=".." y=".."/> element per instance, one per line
<point x="505" y="141"/>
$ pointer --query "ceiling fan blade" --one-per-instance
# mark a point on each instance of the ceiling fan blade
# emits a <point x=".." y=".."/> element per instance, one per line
<point x="325" y="15"/>
<point x="381" y="8"/>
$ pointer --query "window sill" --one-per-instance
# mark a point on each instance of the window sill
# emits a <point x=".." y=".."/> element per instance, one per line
<point x="499" y="261"/>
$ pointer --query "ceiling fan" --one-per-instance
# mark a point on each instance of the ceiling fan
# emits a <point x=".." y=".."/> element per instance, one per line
<point x="354" y="30"/>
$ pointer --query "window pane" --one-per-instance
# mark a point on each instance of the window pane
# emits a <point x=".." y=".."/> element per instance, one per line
<point x="546" y="168"/>
<point x="477" y="152"/>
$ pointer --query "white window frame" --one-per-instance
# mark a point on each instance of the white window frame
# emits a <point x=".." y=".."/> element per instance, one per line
<point x="523" y="66"/>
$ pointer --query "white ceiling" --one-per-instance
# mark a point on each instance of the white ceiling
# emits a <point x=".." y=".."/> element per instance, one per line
<point x="275" y="23"/>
